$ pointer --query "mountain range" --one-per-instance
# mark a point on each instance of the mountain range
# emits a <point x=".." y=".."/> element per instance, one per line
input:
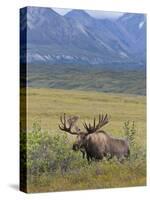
<point x="78" y="38"/>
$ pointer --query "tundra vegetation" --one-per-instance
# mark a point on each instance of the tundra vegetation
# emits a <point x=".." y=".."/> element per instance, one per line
<point x="52" y="165"/>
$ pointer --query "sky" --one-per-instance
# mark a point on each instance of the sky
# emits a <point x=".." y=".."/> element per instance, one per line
<point x="96" y="14"/>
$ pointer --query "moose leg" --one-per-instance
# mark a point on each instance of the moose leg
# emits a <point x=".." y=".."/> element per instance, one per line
<point x="83" y="153"/>
<point x="109" y="157"/>
<point x="89" y="159"/>
<point x="121" y="160"/>
<point x="127" y="156"/>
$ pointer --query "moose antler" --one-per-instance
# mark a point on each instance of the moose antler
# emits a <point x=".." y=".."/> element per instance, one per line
<point x="93" y="128"/>
<point x="70" y="122"/>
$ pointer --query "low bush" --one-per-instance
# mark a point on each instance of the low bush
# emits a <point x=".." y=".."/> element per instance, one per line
<point x="50" y="160"/>
<point x="47" y="152"/>
<point x="130" y="132"/>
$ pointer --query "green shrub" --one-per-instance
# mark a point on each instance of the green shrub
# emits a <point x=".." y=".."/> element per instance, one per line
<point x="48" y="153"/>
<point x="130" y="132"/>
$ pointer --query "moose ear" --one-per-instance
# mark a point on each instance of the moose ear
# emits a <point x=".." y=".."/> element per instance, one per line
<point x="77" y="129"/>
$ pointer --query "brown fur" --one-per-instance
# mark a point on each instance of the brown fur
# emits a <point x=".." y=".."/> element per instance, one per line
<point x="94" y="142"/>
<point x="100" y="145"/>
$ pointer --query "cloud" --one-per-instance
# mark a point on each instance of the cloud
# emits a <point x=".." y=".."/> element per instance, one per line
<point x="61" y="11"/>
<point x="104" y="14"/>
<point x="93" y="13"/>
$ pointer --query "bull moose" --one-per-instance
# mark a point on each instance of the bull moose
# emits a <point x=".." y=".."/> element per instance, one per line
<point x="94" y="142"/>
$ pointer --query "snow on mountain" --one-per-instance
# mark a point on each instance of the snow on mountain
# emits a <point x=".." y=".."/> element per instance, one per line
<point x="141" y="24"/>
<point x="79" y="38"/>
<point x="135" y="24"/>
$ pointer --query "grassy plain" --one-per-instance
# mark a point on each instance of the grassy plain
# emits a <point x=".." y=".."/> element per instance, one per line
<point x="46" y="106"/>
<point x="88" y="78"/>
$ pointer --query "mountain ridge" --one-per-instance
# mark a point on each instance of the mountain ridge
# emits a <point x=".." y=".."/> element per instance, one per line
<point x="78" y="37"/>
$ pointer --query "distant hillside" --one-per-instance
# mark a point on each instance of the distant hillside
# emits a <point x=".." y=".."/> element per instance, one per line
<point x="87" y="78"/>
<point x="78" y="38"/>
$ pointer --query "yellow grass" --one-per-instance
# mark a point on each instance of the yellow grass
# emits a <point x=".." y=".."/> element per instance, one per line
<point x="46" y="106"/>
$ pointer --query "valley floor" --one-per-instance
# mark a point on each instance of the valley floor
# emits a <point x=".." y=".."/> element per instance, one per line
<point x="45" y="107"/>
